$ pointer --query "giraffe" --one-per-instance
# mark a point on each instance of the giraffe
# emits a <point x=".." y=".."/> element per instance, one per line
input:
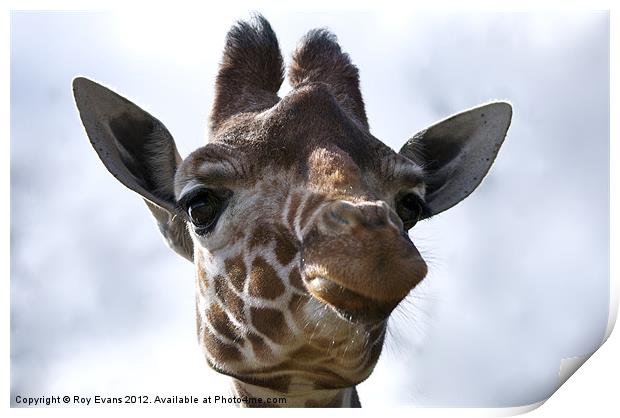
<point x="295" y="216"/>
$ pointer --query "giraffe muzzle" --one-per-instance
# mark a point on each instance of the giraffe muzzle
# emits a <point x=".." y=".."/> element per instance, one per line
<point x="358" y="259"/>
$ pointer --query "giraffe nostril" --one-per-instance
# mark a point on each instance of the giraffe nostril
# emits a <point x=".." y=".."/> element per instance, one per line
<point x="338" y="218"/>
<point x="344" y="213"/>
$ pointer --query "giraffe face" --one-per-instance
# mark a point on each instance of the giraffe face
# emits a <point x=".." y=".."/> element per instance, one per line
<point x="299" y="252"/>
<point x="340" y="208"/>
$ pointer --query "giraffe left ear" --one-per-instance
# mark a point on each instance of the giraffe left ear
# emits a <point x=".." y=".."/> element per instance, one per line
<point x="139" y="151"/>
<point x="457" y="152"/>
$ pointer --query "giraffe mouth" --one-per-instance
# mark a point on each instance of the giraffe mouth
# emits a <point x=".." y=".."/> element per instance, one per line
<point x="351" y="305"/>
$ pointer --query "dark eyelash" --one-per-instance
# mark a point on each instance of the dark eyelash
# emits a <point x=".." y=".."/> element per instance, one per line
<point x="183" y="203"/>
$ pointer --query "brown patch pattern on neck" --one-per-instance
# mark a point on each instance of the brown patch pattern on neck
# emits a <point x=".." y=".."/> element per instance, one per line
<point x="286" y="248"/>
<point x="259" y="347"/>
<point x="221" y="351"/>
<point x="220" y="322"/>
<point x="236" y="271"/>
<point x="271" y="323"/>
<point x="264" y="280"/>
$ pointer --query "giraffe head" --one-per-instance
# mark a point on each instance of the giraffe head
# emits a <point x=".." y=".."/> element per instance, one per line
<point x="295" y="216"/>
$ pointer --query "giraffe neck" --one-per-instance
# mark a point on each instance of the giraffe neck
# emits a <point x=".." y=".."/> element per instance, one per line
<point x="320" y="398"/>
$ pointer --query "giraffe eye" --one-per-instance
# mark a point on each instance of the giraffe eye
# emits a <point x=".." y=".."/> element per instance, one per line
<point x="203" y="210"/>
<point x="410" y="209"/>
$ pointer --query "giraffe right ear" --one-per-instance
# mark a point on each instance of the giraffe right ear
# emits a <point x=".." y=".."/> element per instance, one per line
<point x="457" y="152"/>
<point x="139" y="151"/>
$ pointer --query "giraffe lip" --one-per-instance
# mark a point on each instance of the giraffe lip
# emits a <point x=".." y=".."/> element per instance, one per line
<point x="347" y="302"/>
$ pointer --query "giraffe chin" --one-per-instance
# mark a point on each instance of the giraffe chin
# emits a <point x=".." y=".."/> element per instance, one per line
<point x="347" y="303"/>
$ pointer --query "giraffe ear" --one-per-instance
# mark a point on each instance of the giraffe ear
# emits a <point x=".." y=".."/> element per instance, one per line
<point x="457" y="152"/>
<point x="138" y="150"/>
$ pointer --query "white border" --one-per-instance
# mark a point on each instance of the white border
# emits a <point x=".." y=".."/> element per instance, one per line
<point x="592" y="391"/>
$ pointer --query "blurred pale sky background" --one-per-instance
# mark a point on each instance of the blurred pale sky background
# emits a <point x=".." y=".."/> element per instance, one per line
<point x="519" y="272"/>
